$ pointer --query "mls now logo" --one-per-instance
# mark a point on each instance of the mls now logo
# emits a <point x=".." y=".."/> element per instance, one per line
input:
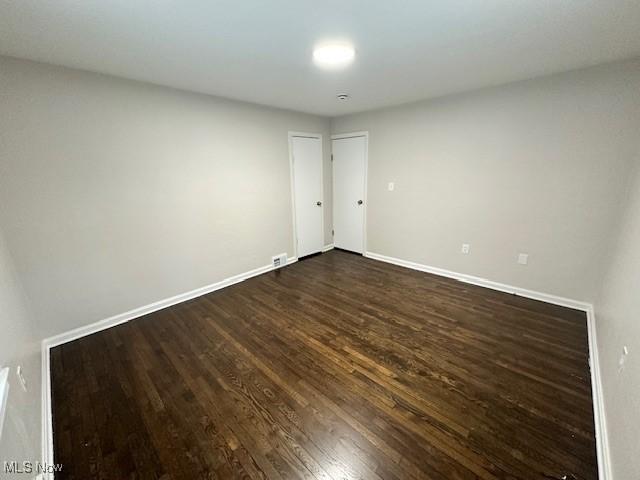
<point x="31" y="467"/>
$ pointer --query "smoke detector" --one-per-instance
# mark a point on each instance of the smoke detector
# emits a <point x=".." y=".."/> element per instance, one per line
<point x="342" y="96"/>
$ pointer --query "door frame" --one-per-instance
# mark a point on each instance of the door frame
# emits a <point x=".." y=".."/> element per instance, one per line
<point x="365" y="134"/>
<point x="292" y="179"/>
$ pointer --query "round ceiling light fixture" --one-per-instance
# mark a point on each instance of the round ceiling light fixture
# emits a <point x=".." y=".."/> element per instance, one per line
<point x="334" y="55"/>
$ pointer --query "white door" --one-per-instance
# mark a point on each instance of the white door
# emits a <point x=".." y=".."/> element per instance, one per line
<point x="349" y="187"/>
<point x="306" y="167"/>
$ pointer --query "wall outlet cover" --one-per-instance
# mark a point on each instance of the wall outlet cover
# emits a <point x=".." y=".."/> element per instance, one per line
<point x="391" y="186"/>
<point x="523" y="258"/>
<point x="466" y="248"/>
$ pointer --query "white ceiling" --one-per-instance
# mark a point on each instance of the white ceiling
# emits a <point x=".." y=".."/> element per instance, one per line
<point x="260" y="50"/>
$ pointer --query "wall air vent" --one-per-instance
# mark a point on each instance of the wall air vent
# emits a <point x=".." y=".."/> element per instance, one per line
<point x="279" y="260"/>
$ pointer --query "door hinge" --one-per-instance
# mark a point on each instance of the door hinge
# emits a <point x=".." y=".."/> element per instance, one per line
<point x="332" y="157"/>
<point x="333" y="233"/>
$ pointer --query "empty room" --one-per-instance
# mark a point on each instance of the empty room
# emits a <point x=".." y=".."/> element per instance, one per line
<point x="320" y="240"/>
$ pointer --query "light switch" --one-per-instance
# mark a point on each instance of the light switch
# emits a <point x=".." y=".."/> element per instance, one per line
<point x="391" y="186"/>
<point x="523" y="258"/>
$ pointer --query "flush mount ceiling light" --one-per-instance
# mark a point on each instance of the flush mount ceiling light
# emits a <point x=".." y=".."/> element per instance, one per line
<point x="334" y="55"/>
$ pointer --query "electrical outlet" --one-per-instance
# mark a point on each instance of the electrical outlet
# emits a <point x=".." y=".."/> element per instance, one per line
<point x="523" y="258"/>
<point x="391" y="186"/>
<point x="21" y="379"/>
<point x="466" y="248"/>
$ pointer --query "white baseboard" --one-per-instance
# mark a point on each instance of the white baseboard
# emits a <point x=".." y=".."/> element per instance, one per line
<point x="599" y="417"/>
<point x="602" y="443"/>
<point x="152" y="307"/>
<point x="49" y="343"/>
<point x="326" y="248"/>
<point x="483" y="282"/>
<point x="47" y="419"/>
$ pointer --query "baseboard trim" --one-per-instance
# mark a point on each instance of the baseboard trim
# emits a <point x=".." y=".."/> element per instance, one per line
<point x="47" y="419"/>
<point x="483" y="282"/>
<point x="326" y="248"/>
<point x="152" y="307"/>
<point x="602" y="442"/>
<point x="49" y="343"/>
<point x="599" y="418"/>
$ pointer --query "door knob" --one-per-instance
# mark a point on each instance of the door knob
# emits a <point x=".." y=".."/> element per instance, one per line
<point x="319" y="204"/>
<point x="359" y="202"/>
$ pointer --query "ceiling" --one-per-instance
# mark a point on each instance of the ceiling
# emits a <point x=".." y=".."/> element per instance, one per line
<point x="261" y="50"/>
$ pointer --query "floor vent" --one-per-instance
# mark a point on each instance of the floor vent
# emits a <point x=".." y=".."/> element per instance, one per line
<point x="279" y="260"/>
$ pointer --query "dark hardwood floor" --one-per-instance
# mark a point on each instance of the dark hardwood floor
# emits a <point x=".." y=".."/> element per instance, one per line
<point x="335" y="367"/>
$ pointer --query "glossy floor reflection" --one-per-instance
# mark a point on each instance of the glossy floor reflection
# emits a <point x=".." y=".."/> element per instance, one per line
<point x="335" y="367"/>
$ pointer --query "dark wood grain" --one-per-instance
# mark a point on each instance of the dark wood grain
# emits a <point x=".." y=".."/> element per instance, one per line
<point x="335" y="367"/>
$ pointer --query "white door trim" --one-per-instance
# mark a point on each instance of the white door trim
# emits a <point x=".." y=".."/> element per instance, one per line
<point x="364" y="134"/>
<point x="338" y="136"/>
<point x="290" y="137"/>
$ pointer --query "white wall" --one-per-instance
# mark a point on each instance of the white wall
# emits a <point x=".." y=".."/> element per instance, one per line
<point x="19" y="345"/>
<point x="618" y="325"/>
<point x="531" y="167"/>
<point x="116" y="194"/>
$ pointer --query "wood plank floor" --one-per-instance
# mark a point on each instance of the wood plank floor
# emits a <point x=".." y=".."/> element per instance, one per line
<point x="337" y="367"/>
